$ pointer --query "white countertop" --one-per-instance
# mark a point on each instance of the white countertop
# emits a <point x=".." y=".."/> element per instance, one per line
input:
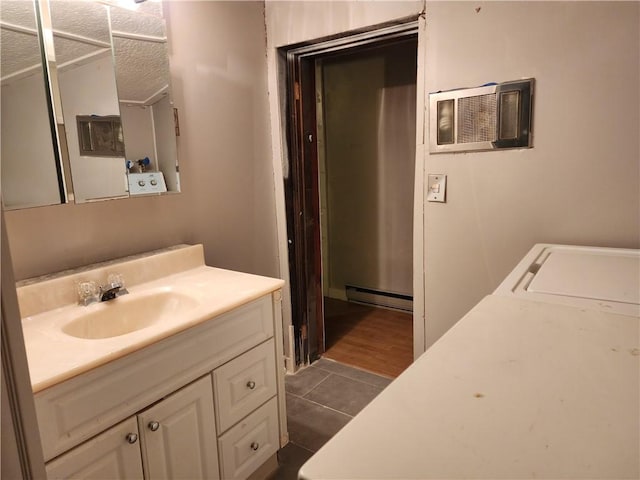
<point x="54" y="356"/>
<point x="516" y="389"/>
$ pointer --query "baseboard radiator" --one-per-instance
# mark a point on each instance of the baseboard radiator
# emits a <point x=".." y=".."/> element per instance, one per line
<point x="380" y="298"/>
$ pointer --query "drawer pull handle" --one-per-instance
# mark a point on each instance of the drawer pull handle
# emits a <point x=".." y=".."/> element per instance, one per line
<point x="132" y="438"/>
<point x="153" y="426"/>
<point x="251" y="384"/>
<point x="255" y="446"/>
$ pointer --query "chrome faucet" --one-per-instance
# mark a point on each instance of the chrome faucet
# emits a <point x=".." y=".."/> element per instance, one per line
<point x="90" y="292"/>
<point x="110" y="292"/>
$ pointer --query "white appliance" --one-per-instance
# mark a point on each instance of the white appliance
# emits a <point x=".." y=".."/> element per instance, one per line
<point x="541" y="379"/>
<point x="146" y="182"/>
<point x="605" y="279"/>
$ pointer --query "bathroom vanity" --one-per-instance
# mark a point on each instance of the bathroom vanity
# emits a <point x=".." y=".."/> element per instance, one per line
<point x="181" y="378"/>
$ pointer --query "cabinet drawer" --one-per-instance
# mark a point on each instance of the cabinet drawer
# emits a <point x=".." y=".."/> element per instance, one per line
<point x="250" y="443"/>
<point x="109" y="455"/>
<point x="243" y="384"/>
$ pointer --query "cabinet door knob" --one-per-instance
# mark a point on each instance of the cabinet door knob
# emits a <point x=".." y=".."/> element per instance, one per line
<point x="132" y="438"/>
<point x="153" y="426"/>
<point x="251" y="384"/>
<point x="255" y="446"/>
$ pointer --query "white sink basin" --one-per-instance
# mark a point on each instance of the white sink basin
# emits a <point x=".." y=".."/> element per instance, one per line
<point x="128" y="313"/>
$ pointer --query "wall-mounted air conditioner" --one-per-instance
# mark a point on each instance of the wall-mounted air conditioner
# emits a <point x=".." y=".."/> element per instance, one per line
<point x="483" y="118"/>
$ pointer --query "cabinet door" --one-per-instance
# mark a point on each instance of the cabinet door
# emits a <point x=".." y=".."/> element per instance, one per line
<point x="178" y="435"/>
<point x="114" y="454"/>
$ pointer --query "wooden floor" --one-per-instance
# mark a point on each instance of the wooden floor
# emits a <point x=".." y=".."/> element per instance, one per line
<point x="374" y="339"/>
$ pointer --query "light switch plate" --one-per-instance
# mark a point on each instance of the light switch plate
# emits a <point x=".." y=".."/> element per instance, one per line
<point x="436" y="188"/>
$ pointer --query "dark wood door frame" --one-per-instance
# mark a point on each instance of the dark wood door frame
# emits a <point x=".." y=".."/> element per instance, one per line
<point x="301" y="186"/>
<point x="302" y="205"/>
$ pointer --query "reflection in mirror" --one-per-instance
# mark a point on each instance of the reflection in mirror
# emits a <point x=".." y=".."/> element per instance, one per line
<point x="143" y="80"/>
<point x="87" y="87"/>
<point x="30" y="174"/>
<point x="65" y="134"/>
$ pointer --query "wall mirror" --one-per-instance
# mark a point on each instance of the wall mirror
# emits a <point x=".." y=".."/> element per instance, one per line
<point x="83" y="64"/>
<point x="144" y="89"/>
<point x="30" y="169"/>
<point x="113" y="127"/>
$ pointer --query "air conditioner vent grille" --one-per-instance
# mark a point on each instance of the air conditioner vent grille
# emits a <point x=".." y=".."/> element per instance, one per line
<point x="477" y="118"/>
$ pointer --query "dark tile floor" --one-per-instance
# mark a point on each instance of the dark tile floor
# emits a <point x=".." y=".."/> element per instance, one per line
<point x="321" y="399"/>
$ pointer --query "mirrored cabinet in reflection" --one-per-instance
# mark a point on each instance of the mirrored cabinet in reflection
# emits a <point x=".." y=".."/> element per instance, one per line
<point x="31" y="169"/>
<point x="89" y="114"/>
<point x="142" y="71"/>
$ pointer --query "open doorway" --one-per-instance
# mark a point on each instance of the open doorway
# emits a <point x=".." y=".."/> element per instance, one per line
<point x="349" y="197"/>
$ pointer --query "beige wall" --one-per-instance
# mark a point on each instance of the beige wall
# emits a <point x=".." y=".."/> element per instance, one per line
<point x="295" y="21"/>
<point x="219" y="83"/>
<point x="165" y="147"/>
<point x="580" y="182"/>
<point x="138" y="132"/>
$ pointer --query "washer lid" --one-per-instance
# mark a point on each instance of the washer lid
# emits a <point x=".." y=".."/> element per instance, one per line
<point x="591" y="275"/>
<point x="595" y="278"/>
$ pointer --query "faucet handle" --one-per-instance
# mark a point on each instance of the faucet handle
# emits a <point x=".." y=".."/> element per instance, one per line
<point x="115" y="280"/>
<point x="87" y="292"/>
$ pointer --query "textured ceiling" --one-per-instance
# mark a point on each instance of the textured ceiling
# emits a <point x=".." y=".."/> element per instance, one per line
<point x="150" y="7"/>
<point x="24" y="53"/>
<point x="18" y="51"/>
<point x="87" y="19"/>
<point x="142" y="67"/>
<point x="18" y="12"/>
<point x="124" y="20"/>
<point x="70" y="51"/>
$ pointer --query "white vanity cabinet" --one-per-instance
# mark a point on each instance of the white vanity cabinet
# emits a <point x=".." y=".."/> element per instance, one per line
<point x="174" y="438"/>
<point x="207" y="402"/>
